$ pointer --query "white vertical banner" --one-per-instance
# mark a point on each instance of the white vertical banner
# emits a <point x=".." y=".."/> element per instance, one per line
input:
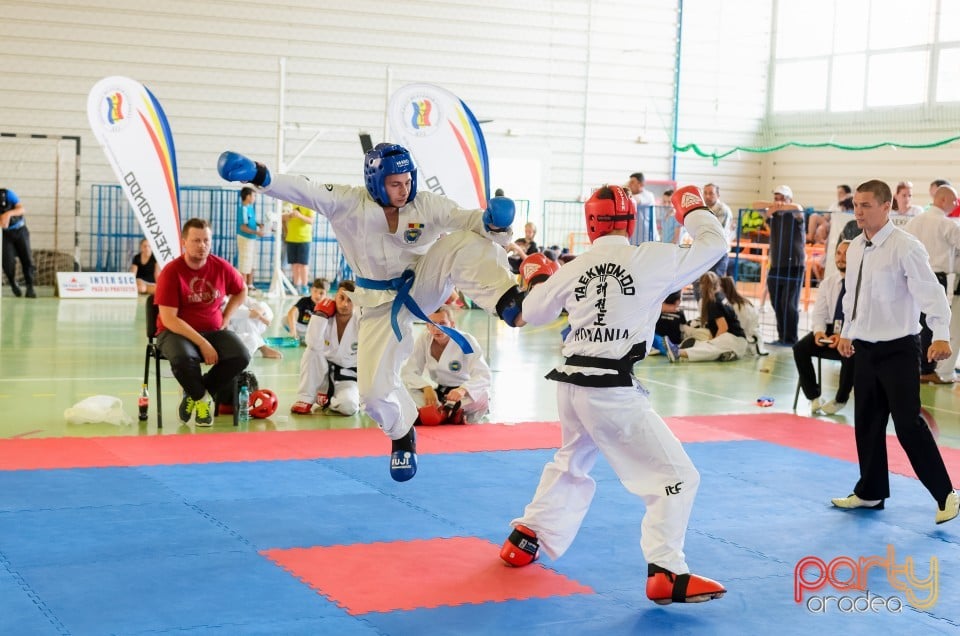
<point x="444" y="137"/>
<point x="133" y="131"/>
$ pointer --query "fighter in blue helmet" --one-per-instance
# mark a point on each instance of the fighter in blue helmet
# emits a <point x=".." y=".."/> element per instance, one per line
<point x="408" y="250"/>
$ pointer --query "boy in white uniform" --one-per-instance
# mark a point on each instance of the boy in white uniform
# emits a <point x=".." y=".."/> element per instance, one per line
<point x="328" y="368"/>
<point x="613" y="294"/>
<point x="408" y="251"/>
<point x="455" y="377"/>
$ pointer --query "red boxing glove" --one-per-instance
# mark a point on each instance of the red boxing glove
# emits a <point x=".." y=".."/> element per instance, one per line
<point x="537" y="268"/>
<point x="325" y="307"/>
<point x="686" y="200"/>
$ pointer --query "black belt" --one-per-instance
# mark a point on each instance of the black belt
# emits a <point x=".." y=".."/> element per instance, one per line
<point x="335" y="373"/>
<point x="623" y="367"/>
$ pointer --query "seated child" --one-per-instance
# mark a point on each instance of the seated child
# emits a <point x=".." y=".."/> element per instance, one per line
<point x="299" y="315"/>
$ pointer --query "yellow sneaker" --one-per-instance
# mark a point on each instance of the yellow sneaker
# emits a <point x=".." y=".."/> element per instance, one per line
<point x="204" y="412"/>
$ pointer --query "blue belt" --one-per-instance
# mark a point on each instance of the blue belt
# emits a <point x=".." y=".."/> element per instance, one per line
<point x="402" y="285"/>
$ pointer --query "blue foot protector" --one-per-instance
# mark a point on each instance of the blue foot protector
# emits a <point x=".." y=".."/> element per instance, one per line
<point x="403" y="459"/>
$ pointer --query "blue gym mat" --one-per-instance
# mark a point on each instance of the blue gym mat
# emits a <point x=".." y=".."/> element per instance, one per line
<point x="176" y="549"/>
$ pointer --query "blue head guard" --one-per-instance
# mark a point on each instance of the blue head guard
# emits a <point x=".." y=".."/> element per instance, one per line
<point x="384" y="160"/>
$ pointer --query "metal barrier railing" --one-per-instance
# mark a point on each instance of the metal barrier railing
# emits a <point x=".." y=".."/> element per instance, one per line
<point x="115" y="234"/>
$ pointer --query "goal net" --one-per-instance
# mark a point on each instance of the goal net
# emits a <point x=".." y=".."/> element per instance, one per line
<point x="44" y="171"/>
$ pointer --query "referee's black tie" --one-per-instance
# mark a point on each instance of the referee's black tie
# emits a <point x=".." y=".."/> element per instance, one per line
<point x="856" y="293"/>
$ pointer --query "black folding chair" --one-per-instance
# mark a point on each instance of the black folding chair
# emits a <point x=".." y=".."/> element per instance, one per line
<point x="153" y="351"/>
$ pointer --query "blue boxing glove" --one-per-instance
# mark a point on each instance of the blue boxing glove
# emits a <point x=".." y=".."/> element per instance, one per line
<point x="233" y="166"/>
<point x="498" y="217"/>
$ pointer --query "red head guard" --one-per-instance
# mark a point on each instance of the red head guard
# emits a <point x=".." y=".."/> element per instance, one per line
<point x="432" y="415"/>
<point x="608" y="209"/>
<point x="263" y="403"/>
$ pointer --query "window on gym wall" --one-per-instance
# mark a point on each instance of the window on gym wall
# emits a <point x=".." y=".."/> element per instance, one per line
<point x="856" y="55"/>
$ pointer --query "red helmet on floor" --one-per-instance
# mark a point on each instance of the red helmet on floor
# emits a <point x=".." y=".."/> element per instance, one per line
<point x="432" y="415"/>
<point x="608" y="209"/>
<point x="263" y="403"/>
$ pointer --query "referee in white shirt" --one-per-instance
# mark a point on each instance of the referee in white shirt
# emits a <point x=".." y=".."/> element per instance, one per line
<point x="889" y="282"/>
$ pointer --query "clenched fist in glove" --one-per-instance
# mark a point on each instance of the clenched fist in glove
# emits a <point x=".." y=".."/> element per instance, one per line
<point x="685" y="200"/>
<point x="233" y="166"/>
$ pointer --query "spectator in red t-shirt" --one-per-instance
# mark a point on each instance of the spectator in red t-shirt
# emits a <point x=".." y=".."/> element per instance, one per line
<point x="190" y="292"/>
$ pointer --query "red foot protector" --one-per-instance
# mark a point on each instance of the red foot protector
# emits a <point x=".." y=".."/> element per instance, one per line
<point x="408" y="575"/>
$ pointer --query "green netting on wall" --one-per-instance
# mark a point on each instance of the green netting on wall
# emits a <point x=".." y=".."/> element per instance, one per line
<point x="716" y="157"/>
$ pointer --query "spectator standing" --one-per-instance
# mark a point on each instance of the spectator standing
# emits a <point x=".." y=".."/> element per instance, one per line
<point x="941" y="238"/>
<point x="645" y="202"/>
<point x="843" y="192"/>
<point x="903" y="200"/>
<point x="248" y="231"/>
<point x="16" y="242"/>
<point x="787" y="259"/>
<point x="299" y="222"/>
<point x="671" y="228"/>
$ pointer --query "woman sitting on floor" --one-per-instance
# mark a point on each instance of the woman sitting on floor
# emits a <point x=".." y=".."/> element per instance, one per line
<point x="727" y="341"/>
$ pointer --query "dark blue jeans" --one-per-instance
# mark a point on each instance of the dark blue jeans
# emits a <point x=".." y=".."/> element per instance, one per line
<point x="784" y="285"/>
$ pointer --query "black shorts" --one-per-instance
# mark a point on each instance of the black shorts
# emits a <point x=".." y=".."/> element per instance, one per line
<point x="298" y="253"/>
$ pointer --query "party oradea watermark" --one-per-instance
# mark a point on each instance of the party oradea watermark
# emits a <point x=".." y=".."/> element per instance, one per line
<point x="849" y="579"/>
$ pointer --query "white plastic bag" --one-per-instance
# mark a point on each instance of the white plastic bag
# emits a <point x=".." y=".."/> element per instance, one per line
<point x="98" y="408"/>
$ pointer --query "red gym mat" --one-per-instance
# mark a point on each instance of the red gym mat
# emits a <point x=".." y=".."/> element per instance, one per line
<point x="803" y="433"/>
<point x="814" y="435"/>
<point x="407" y="575"/>
<point x="93" y="452"/>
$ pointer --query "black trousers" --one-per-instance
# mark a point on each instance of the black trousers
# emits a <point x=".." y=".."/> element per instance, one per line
<point x="926" y="335"/>
<point x="185" y="359"/>
<point x="887" y="382"/>
<point x="803" y="354"/>
<point x="16" y="244"/>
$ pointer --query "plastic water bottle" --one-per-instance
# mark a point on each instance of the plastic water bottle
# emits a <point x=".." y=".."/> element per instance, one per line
<point x="143" y="402"/>
<point x="244" y="399"/>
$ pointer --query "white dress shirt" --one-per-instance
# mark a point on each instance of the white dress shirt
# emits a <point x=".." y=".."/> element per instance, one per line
<point x="940" y="235"/>
<point x="826" y="303"/>
<point x="897" y="284"/>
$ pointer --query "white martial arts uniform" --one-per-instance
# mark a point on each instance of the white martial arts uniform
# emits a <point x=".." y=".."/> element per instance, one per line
<point x="324" y="348"/>
<point x="613" y="295"/>
<point x="467" y="257"/>
<point x="453" y="369"/>
<point x="251" y="330"/>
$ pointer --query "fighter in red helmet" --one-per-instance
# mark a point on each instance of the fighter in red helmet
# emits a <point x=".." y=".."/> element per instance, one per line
<point x="612" y="294"/>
